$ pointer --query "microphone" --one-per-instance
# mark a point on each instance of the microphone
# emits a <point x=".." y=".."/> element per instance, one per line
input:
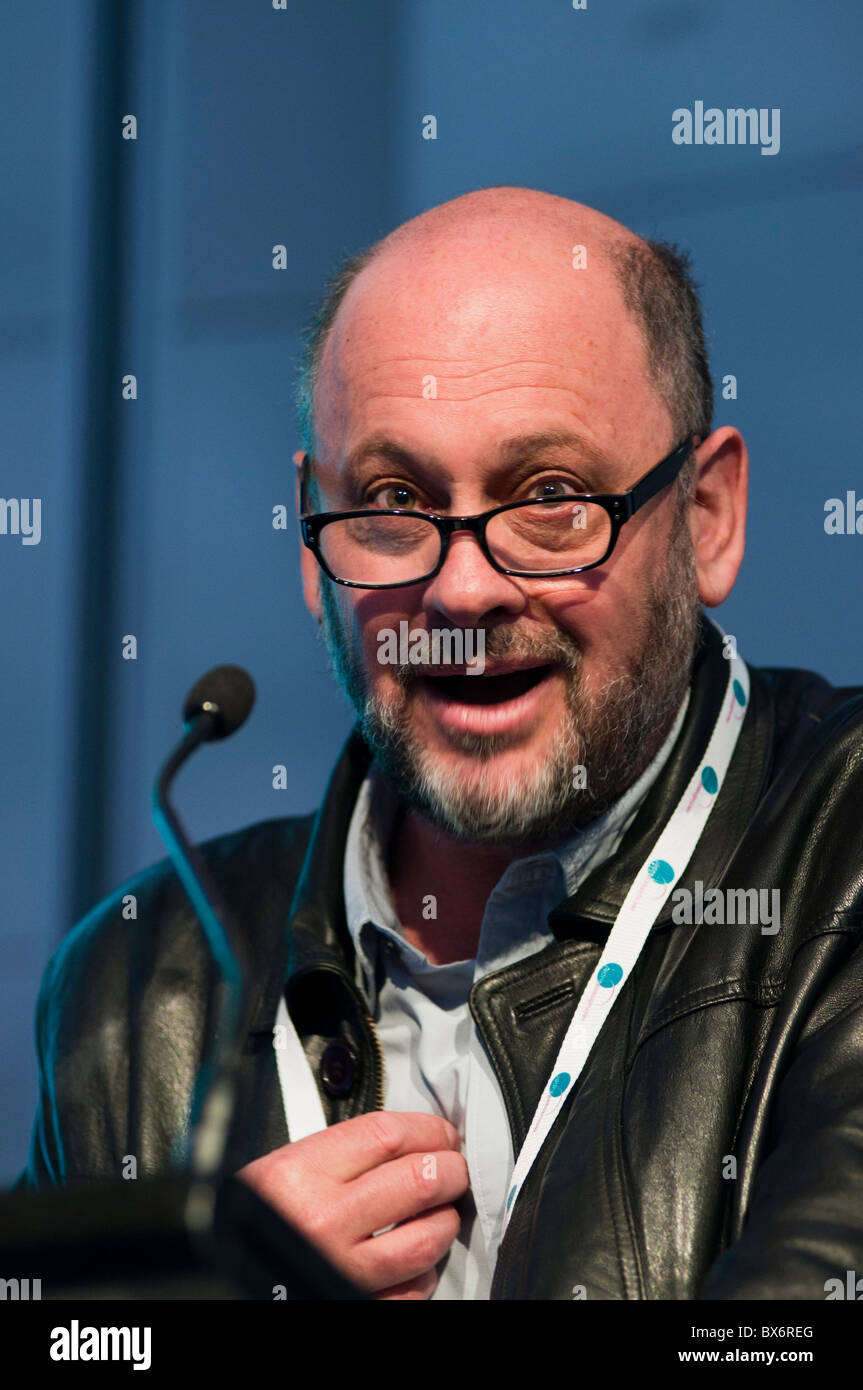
<point x="226" y="694"/>
<point x="216" y="706"/>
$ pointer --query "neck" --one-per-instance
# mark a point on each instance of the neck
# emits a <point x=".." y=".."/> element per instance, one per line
<point x="440" y="886"/>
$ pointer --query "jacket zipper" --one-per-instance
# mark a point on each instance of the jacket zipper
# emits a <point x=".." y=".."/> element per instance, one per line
<point x="379" y="1059"/>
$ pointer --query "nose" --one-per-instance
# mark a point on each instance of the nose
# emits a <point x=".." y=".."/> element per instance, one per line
<point x="468" y="590"/>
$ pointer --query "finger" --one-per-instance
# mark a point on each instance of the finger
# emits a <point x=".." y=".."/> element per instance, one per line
<point x="353" y="1147"/>
<point x="407" y="1253"/>
<point x="400" y="1190"/>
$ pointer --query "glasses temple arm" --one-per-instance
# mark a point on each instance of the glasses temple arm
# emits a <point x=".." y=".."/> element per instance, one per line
<point x="660" y="476"/>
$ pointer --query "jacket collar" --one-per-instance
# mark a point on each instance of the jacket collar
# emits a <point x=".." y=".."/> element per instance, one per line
<point x="315" y="935"/>
<point x="318" y="935"/>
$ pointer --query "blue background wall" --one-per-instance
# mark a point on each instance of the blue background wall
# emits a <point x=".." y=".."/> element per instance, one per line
<point x="303" y="127"/>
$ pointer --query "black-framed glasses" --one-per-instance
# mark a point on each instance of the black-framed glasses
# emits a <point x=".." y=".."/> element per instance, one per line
<point x="542" y="538"/>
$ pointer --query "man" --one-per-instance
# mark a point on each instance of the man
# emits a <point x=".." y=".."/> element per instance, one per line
<point x="543" y="1067"/>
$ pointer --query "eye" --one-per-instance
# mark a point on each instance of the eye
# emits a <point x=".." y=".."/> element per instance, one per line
<point x="553" y="487"/>
<point x="393" y="495"/>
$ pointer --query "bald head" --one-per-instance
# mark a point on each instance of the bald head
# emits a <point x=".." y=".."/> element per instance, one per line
<point x="527" y="218"/>
<point x="527" y="264"/>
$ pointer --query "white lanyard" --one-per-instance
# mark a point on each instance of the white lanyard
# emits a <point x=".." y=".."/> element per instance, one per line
<point x="304" y="1112"/>
<point x="649" y="890"/>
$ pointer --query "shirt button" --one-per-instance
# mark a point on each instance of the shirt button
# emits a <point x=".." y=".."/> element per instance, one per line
<point x="338" y="1068"/>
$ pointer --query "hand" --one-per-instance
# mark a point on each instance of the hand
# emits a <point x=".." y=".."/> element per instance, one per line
<point x="341" y="1185"/>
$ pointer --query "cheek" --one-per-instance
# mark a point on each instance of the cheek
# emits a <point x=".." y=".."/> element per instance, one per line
<point x="610" y="600"/>
<point x="579" y="606"/>
<point x="603" y="614"/>
<point x="372" y="612"/>
<point x="567" y="599"/>
<point x="375" y="620"/>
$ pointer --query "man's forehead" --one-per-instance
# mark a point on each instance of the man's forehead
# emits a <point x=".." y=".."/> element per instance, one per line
<point x="476" y="329"/>
<point x="598" y="408"/>
<point x="474" y="308"/>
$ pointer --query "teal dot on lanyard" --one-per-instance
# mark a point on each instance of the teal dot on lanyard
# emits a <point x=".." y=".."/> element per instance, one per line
<point x="660" y="871"/>
<point x="739" y="693"/>
<point x="709" y="780"/>
<point x="559" y="1083"/>
<point x="512" y="1193"/>
<point x="610" y="975"/>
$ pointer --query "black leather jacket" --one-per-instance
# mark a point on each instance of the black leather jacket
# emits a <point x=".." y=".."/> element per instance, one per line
<point x="726" y="1042"/>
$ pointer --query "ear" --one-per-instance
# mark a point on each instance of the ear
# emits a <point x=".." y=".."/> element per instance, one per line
<point x="717" y="515"/>
<point x="308" y="564"/>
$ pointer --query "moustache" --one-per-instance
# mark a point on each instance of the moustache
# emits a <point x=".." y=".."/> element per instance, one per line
<point x="508" y="644"/>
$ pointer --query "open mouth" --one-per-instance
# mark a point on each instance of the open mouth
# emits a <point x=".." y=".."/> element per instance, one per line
<point x="488" y="689"/>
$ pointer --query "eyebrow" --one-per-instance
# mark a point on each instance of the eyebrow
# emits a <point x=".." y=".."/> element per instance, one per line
<point x="520" y="449"/>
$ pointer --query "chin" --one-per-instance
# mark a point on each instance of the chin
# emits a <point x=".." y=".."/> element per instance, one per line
<point x="493" y="794"/>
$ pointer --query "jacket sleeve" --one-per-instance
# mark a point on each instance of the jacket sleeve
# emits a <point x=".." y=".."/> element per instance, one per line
<point x="45" y="1162"/>
<point x="125" y="1009"/>
<point x="82" y="1047"/>
<point x="803" y="1235"/>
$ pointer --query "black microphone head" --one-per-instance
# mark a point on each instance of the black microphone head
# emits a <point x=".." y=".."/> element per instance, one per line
<point x="227" y="693"/>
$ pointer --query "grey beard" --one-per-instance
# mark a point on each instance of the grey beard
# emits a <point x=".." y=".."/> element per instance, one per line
<point x="612" y="734"/>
